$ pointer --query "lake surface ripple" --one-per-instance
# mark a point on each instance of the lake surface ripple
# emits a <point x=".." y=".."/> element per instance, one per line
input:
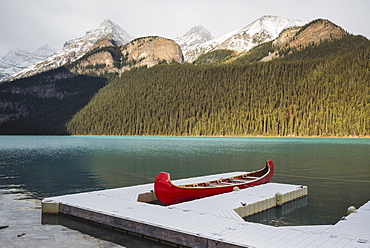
<point x="336" y="170"/>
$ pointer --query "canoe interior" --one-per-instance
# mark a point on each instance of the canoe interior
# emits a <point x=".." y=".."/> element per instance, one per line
<point x="237" y="180"/>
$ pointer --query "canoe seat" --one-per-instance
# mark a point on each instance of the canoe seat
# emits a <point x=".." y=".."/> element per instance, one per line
<point x="247" y="177"/>
<point x="239" y="181"/>
<point x="225" y="183"/>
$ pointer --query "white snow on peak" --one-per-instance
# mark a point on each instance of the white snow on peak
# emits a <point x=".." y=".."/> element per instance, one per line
<point x="45" y="51"/>
<point x="107" y="27"/>
<point x="195" y="36"/>
<point x="197" y="29"/>
<point x="272" y="25"/>
<point x="261" y="30"/>
<point x="195" y="42"/>
<point x="17" y="60"/>
<point x="76" y="48"/>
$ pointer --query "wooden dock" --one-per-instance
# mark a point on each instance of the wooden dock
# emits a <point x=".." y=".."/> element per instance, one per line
<point x="213" y="221"/>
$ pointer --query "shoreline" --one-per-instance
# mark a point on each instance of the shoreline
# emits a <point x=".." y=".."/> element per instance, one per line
<point x="27" y="226"/>
<point x="193" y="136"/>
<point x="219" y="136"/>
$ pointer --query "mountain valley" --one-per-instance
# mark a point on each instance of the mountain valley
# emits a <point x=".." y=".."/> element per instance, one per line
<point x="273" y="77"/>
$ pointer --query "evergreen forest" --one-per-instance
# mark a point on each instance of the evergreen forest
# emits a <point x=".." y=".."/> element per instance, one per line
<point x="322" y="90"/>
<point x="43" y="104"/>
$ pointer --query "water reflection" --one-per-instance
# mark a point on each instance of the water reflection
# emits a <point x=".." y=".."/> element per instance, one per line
<point x="336" y="171"/>
<point x="42" y="173"/>
<point x="99" y="232"/>
<point x="274" y="216"/>
<point x="23" y="217"/>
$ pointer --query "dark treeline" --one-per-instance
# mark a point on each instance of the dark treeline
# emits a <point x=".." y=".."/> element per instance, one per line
<point x="44" y="103"/>
<point x="299" y="97"/>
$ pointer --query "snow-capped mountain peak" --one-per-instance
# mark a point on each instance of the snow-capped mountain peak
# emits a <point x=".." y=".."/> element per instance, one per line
<point x="76" y="48"/>
<point x="197" y="29"/>
<point x="121" y="36"/>
<point x="273" y="25"/>
<point x="195" y="36"/>
<point x="195" y="42"/>
<point x="45" y="51"/>
<point x="17" y="60"/>
<point x="261" y="30"/>
<point x="107" y="27"/>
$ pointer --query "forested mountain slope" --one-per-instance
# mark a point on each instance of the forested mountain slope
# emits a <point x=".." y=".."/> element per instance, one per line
<point x="303" y="94"/>
<point x="318" y="88"/>
<point x="44" y="103"/>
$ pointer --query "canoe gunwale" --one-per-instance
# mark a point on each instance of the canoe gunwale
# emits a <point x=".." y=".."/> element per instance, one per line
<point x="219" y="181"/>
<point x="170" y="193"/>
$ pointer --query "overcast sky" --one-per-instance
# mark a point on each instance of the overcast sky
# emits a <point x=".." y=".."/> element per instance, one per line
<point x="30" y="24"/>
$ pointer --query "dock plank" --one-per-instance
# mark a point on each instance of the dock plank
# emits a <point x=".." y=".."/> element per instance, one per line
<point x="297" y="241"/>
<point x="278" y="238"/>
<point x="341" y="243"/>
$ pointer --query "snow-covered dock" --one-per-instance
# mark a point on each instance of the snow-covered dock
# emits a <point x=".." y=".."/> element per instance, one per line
<point x="212" y="221"/>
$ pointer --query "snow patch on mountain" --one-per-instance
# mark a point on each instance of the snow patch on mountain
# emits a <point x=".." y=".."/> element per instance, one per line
<point x="195" y="42"/>
<point x="76" y="48"/>
<point x="18" y="60"/>
<point x="262" y="30"/>
<point x="195" y="36"/>
<point x="120" y="36"/>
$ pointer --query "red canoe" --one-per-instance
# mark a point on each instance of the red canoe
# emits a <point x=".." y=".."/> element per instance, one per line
<point x="169" y="193"/>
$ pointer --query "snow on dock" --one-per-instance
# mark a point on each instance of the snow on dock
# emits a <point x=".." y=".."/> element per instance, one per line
<point x="212" y="221"/>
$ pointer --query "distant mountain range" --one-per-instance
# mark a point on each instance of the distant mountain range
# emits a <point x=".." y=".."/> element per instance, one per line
<point x="194" y="43"/>
<point x="262" y="30"/>
<point x="107" y="34"/>
<point x="104" y="83"/>
<point x="18" y="60"/>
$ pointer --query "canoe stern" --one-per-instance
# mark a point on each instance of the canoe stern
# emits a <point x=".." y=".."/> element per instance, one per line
<point x="163" y="187"/>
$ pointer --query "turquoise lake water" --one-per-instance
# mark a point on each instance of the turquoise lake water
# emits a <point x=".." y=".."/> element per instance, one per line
<point x="336" y="170"/>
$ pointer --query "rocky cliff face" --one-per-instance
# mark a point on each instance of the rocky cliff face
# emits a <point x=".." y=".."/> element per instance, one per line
<point x="315" y="32"/>
<point x="297" y="38"/>
<point x="147" y="51"/>
<point x="150" y="51"/>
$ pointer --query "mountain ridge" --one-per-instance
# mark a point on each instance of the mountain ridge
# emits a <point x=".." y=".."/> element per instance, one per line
<point x="195" y="42"/>
<point x="259" y="31"/>
<point x="291" y="39"/>
<point x="303" y="93"/>
<point x="140" y="52"/>
<point x="107" y="34"/>
<point x="17" y="60"/>
<point x="195" y="36"/>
